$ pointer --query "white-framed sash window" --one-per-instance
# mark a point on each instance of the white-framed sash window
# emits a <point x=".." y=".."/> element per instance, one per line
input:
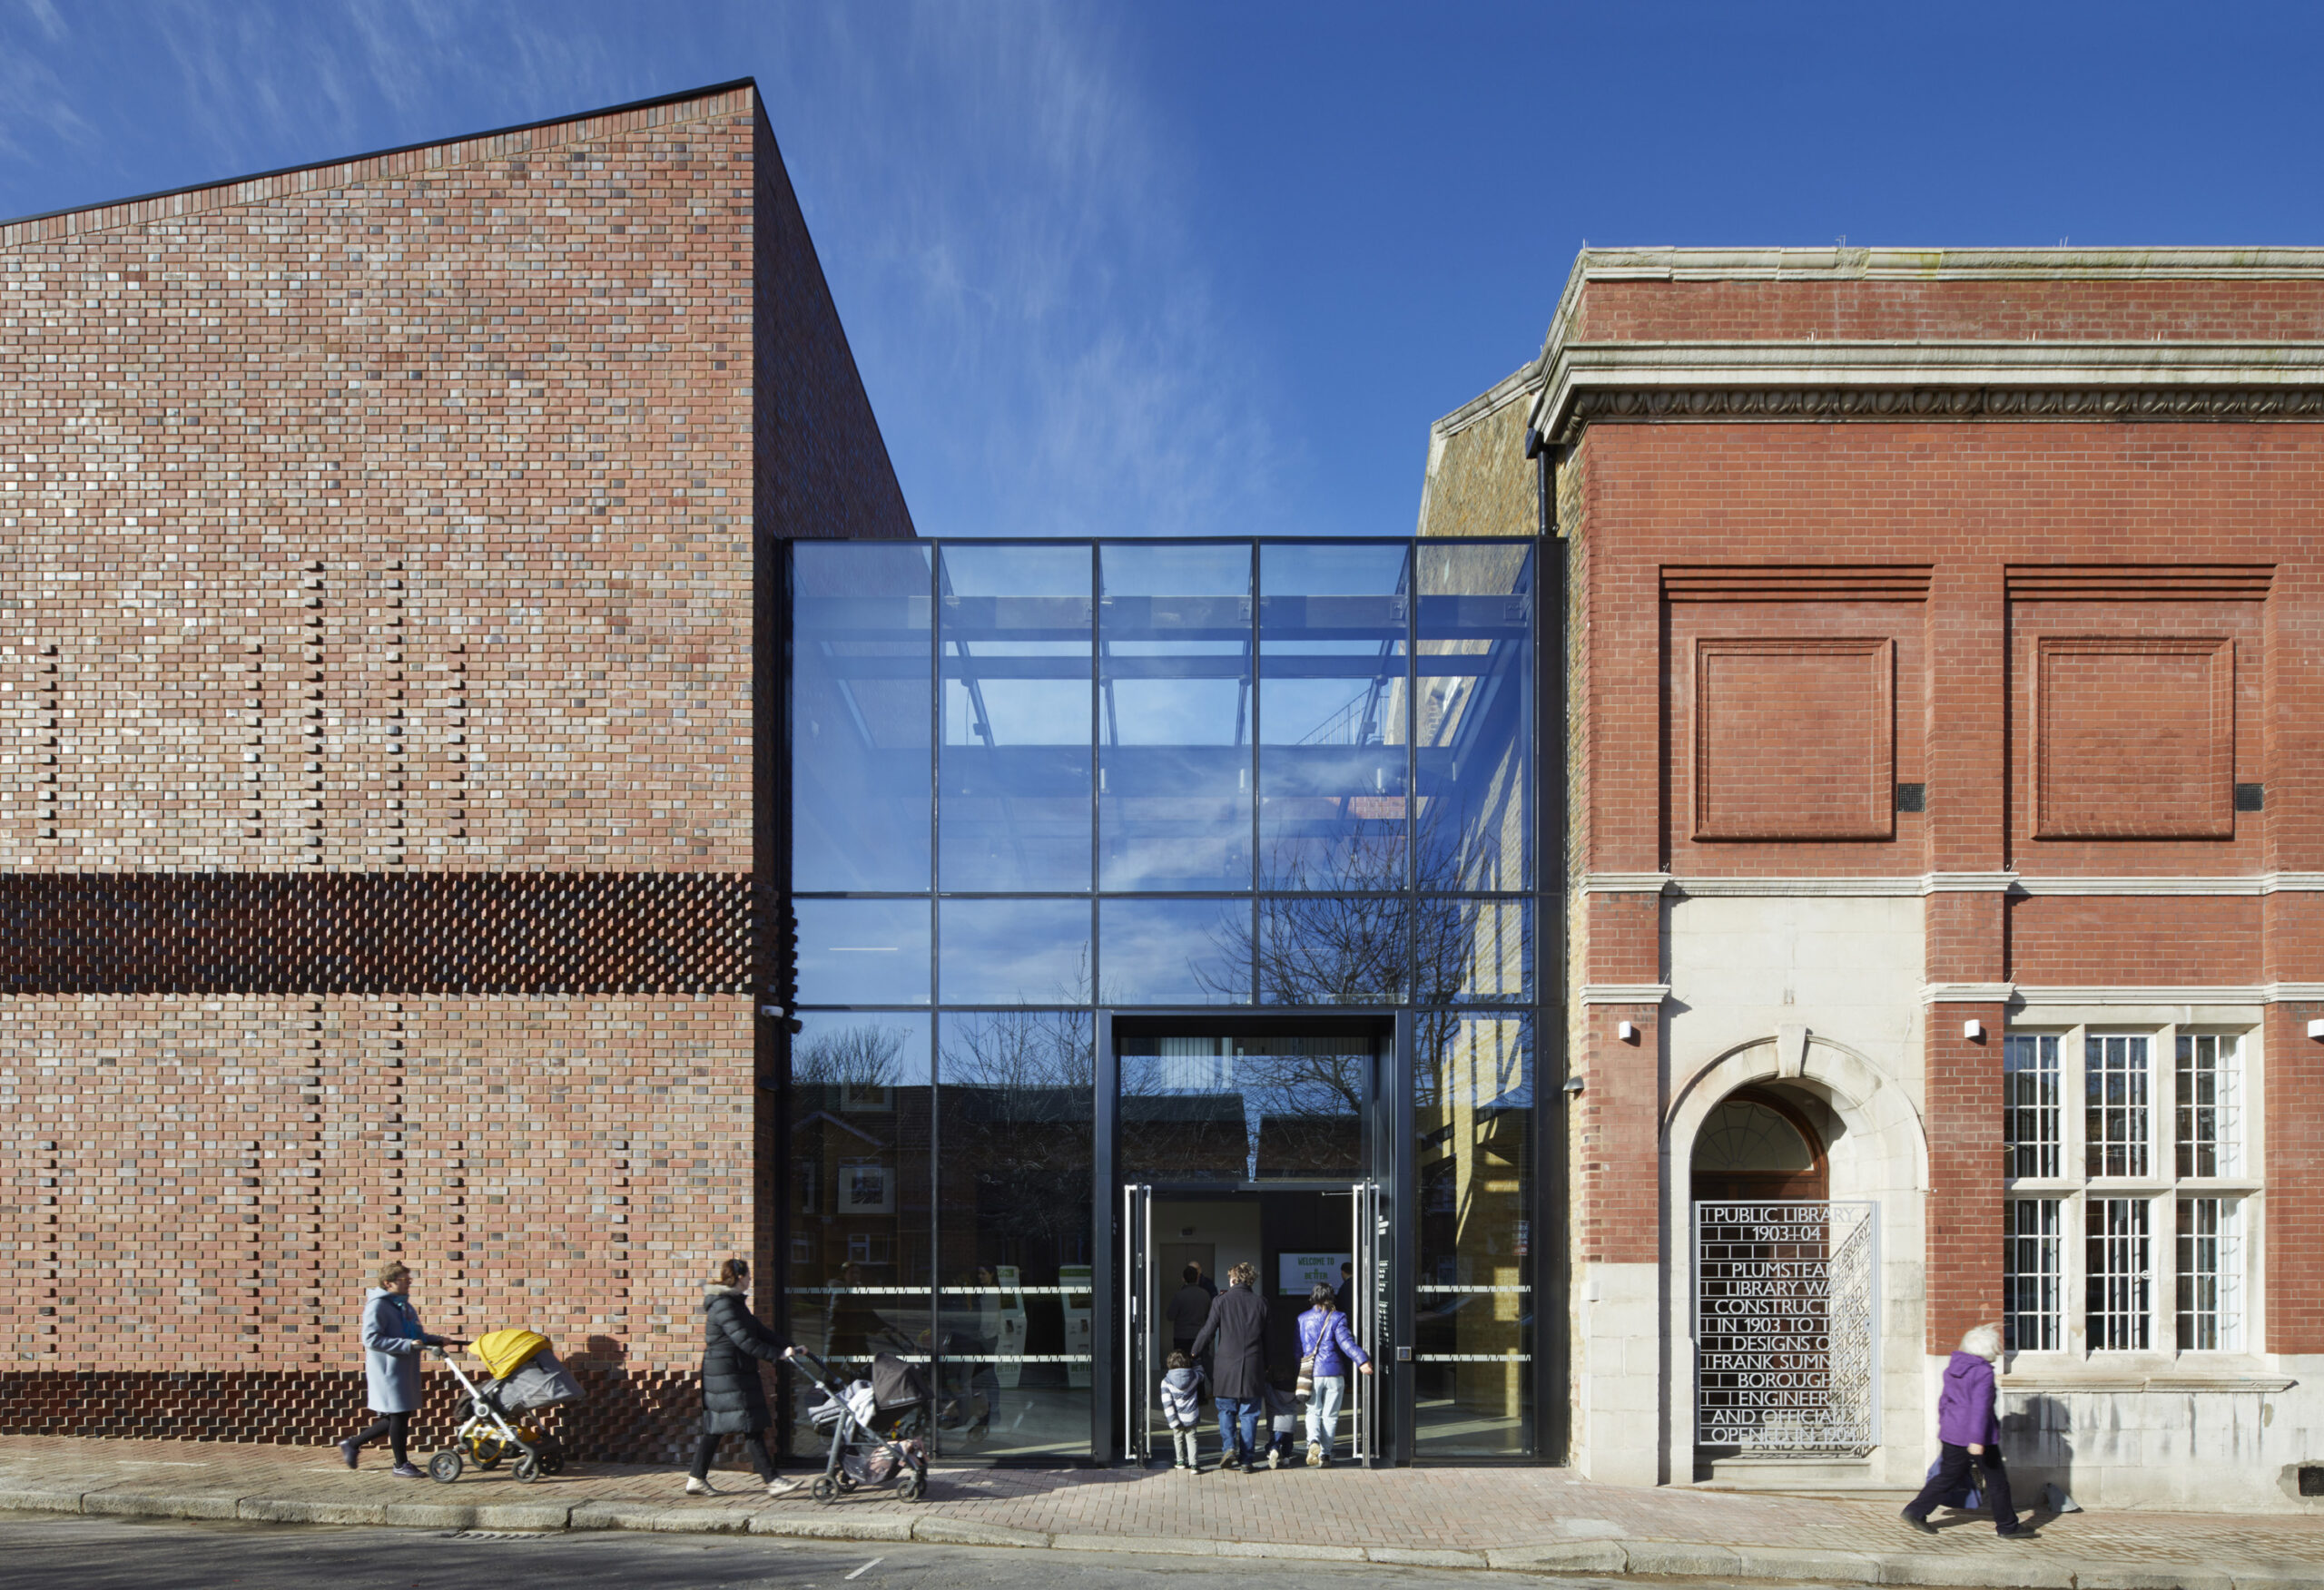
<point x="2033" y="1275"/>
<point x="2127" y="1223"/>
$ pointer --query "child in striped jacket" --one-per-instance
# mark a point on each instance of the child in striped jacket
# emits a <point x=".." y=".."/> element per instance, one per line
<point x="1182" y="1408"/>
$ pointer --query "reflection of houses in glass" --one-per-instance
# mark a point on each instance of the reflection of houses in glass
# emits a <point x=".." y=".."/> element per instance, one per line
<point x="859" y="1193"/>
<point x="1473" y="1316"/>
<point x="1204" y="1108"/>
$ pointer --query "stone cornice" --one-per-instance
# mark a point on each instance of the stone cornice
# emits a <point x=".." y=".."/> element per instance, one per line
<point x="2026" y="996"/>
<point x="1922" y="265"/>
<point x="1624" y="993"/>
<point x="1967" y="993"/>
<point x="1927" y="883"/>
<point x="1621" y="382"/>
<point x="1625" y="882"/>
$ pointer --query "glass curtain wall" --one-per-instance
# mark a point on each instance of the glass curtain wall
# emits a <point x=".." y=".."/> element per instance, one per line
<point x="1033" y="780"/>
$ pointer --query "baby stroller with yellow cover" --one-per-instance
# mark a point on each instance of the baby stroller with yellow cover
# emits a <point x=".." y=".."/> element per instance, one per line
<point x="525" y="1378"/>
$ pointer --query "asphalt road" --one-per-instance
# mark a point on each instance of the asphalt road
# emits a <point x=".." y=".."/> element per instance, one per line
<point x="72" y="1552"/>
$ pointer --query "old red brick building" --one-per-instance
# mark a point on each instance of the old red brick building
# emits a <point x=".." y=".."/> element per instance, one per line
<point x="1946" y="647"/>
<point x="376" y="634"/>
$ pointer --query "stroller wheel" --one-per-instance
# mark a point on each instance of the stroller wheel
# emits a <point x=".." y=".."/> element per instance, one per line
<point x="445" y="1466"/>
<point x="846" y="1482"/>
<point x="527" y="1469"/>
<point x="552" y="1457"/>
<point x="912" y="1486"/>
<point x="823" y="1490"/>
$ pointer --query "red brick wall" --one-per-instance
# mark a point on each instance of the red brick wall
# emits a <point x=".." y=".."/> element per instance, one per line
<point x="1963" y="1122"/>
<point x="821" y="468"/>
<point x="225" y="1171"/>
<point x="1619" y="1214"/>
<point x="2295" y="1172"/>
<point x="1618" y="1183"/>
<point x="423" y="487"/>
<point x="455" y="417"/>
<point x="2139" y="940"/>
<point x="1967" y="501"/>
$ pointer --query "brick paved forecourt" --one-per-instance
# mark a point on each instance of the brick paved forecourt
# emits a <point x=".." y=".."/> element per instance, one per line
<point x="1524" y="1519"/>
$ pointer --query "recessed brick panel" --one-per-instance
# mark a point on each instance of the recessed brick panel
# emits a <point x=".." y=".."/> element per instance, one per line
<point x="1794" y="739"/>
<point x="2134" y="737"/>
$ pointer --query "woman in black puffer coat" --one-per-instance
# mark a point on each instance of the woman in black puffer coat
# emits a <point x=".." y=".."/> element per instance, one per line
<point x="733" y="1402"/>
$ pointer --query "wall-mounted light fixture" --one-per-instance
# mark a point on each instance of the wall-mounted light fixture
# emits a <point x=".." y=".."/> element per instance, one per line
<point x="1627" y="1031"/>
<point x="1973" y="1030"/>
<point x="2316" y="1030"/>
<point x="1574" y="1085"/>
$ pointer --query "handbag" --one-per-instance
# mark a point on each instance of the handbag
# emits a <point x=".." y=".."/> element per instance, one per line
<point x="1306" y="1385"/>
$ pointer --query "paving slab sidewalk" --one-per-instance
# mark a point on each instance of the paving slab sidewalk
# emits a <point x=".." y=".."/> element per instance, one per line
<point x="1536" y="1520"/>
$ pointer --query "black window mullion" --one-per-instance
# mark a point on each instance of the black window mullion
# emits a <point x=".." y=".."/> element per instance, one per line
<point x="936" y="956"/>
<point x="1258" y="774"/>
<point x="1411" y="772"/>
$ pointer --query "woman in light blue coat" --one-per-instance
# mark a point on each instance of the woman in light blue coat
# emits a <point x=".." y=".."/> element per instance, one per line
<point x="391" y="1343"/>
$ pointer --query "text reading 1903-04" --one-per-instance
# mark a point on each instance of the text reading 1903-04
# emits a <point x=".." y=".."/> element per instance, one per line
<point x="1786" y="1327"/>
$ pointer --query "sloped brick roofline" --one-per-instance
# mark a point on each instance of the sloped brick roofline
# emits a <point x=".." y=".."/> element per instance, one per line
<point x="691" y="104"/>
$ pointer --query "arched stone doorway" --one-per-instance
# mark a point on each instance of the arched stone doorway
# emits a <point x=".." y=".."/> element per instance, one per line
<point x="1758" y="1147"/>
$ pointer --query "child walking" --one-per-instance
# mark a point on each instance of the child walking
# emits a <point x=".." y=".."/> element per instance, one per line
<point x="1283" y="1410"/>
<point x="1182" y="1408"/>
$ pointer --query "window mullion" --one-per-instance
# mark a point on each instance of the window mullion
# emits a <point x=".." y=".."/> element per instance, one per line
<point x="2073" y="1272"/>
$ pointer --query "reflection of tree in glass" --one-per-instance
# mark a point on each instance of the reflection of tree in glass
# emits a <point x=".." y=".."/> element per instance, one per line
<point x="1018" y="1092"/>
<point x="853" y="1057"/>
<point x="1377" y="947"/>
<point x="1208" y="1107"/>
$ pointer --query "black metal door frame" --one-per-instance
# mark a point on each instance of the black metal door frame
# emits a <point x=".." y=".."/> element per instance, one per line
<point x="1389" y="1163"/>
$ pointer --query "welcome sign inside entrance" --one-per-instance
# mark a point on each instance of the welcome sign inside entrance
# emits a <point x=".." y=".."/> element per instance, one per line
<point x="1786" y="1326"/>
<point x="1297" y="1273"/>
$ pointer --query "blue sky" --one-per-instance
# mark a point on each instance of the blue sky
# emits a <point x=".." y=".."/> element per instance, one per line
<point x="1190" y="267"/>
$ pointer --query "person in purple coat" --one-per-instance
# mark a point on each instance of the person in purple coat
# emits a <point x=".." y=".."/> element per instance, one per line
<point x="1969" y="1430"/>
<point x="1325" y="1337"/>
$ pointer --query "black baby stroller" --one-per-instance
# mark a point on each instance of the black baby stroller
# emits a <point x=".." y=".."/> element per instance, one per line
<point x="877" y="1427"/>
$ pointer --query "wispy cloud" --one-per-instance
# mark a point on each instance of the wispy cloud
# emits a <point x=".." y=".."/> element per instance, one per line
<point x="1007" y="216"/>
<point x="1042" y="337"/>
<point x="36" y="105"/>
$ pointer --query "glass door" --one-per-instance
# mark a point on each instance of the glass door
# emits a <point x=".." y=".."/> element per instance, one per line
<point x="1141" y="1363"/>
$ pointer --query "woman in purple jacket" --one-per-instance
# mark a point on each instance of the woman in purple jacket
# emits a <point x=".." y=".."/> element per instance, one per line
<point x="1966" y="1425"/>
<point x="1325" y="1337"/>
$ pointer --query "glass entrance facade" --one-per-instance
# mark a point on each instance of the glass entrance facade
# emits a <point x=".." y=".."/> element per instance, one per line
<point x="1037" y="785"/>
